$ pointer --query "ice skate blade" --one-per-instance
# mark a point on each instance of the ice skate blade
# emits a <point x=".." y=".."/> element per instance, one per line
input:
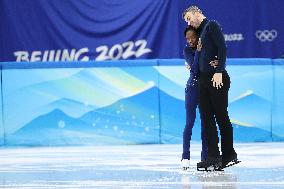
<point x="209" y="169"/>
<point x="234" y="162"/>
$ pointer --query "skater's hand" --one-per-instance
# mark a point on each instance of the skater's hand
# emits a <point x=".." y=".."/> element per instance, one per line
<point x="187" y="66"/>
<point x="214" y="63"/>
<point x="217" y="80"/>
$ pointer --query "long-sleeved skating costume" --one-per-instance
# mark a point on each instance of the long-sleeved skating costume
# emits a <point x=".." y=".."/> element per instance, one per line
<point x="191" y="101"/>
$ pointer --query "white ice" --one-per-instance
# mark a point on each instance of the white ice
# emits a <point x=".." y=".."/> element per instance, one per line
<point x="136" y="166"/>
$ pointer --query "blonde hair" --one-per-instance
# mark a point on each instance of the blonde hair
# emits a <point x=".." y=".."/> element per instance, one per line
<point x="192" y="9"/>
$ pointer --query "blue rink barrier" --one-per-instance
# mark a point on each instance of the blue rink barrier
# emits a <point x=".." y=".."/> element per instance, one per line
<point x="130" y="102"/>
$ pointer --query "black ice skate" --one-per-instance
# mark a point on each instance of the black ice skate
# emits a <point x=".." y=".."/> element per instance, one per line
<point x="230" y="161"/>
<point x="210" y="164"/>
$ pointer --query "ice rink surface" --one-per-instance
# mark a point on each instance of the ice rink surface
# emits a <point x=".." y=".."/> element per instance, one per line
<point x="136" y="166"/>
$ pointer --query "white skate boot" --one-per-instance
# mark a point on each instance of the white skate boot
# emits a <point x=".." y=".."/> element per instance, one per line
<point x="185" y="163"/>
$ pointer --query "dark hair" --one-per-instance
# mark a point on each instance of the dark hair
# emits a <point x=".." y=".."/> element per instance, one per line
<point x="189" y="28"/>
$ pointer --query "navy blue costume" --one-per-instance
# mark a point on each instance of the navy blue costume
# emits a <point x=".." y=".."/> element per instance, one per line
<point x="191" y="101"/>
<point x="214" y="102"/>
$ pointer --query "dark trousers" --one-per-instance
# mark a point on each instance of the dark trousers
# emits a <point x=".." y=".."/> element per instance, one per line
<point x="191" y="102"/>
<point x="213" y="106"/>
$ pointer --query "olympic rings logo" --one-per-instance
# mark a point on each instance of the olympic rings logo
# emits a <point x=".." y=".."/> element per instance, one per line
<point x="266" y="35"/>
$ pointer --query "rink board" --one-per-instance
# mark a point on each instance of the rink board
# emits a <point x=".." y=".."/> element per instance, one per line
<point x="130" y="102"/>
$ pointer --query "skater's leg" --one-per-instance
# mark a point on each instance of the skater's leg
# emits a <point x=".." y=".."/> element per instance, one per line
<point x="190" y="106"/>
<point x="207" y="116"/>
<point x="204" y="151"/>
<point x="220" y="105"/>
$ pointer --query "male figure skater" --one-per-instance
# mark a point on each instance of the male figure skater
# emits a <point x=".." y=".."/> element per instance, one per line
<point x="214" y="84"/>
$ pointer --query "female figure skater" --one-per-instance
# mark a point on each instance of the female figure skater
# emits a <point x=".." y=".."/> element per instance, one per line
<point x="191" y="55"/>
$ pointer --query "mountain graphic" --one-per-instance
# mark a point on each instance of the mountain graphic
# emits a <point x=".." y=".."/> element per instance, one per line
<point x="57" y="128"/>
<point x="56" y="119"/>
<point x="143" y="106"/>
<point x="130" y="120"/>
<point x="173" y="120"/>
<point x="98" y="87"/>
<point x="71" y="107"/>
<point x="143" y="110"/>
<point x="251" y="109"/>
<point x="151" y="74"/>
<point x="136" y="115"/>
<point x="252" y="134"/>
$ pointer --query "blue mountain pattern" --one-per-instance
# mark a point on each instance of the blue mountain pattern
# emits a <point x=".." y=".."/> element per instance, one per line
<point x="128" y="121"/>
<point x="252" y="109"/>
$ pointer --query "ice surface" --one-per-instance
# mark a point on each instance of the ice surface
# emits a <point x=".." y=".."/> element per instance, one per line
<point x="137" y="166"/>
